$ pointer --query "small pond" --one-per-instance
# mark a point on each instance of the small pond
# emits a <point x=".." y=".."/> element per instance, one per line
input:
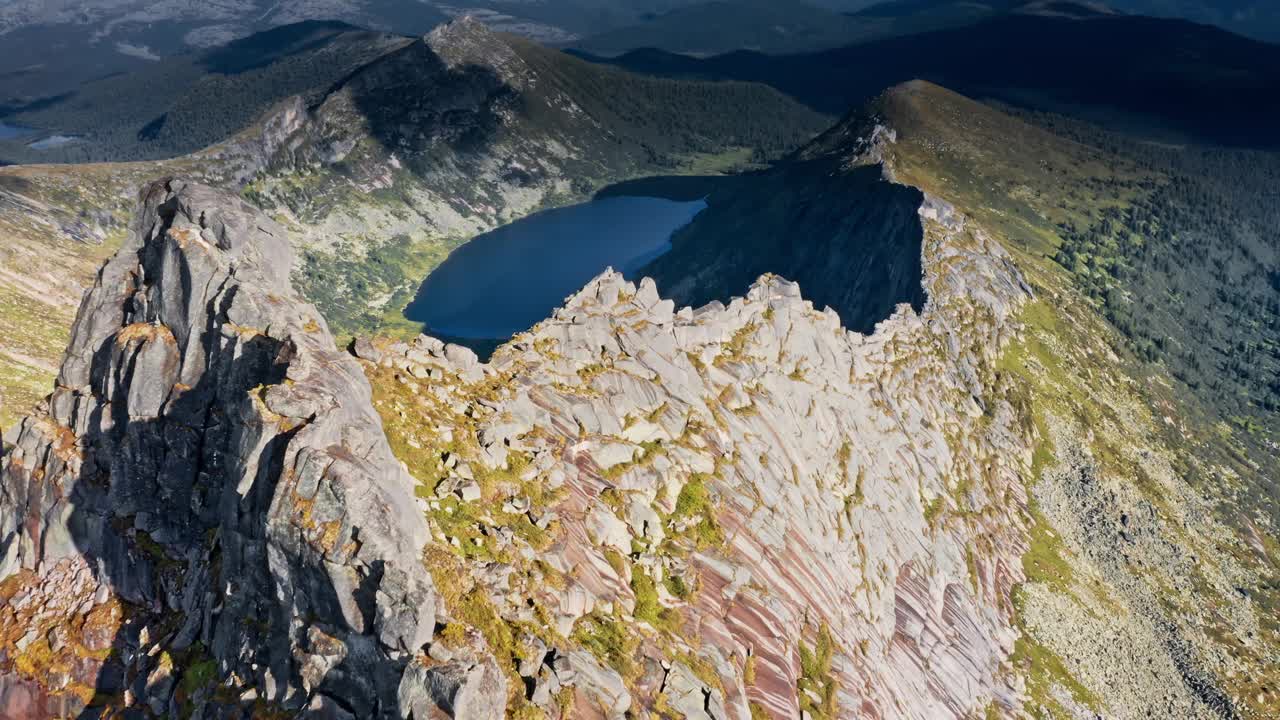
<point x="508" y="280"/>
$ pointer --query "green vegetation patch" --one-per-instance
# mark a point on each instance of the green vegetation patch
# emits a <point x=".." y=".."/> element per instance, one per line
<point x="363" y="293"/>
<point x="696" y="510"/>
<point x="1044" y="670"/>
<point x="607" y="637"/>
<point x="817" y="687"/>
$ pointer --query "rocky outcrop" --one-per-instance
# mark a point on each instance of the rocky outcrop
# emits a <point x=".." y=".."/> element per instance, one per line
<point x="206" y="515"/>
<point x="719" y="512"/>
<point x="713" y="513"/>
<point x="747" y="508"/>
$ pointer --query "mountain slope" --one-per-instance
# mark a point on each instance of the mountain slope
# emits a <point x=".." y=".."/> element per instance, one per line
<point x="1119" y="439"/>
<point x="190" y="102"/>
<point x="726" y="25"/>
<point x="1255" y="19"/>
<point x="1163" y="79"/>
<point x="51" y="48"/>
<point x="377" y="178"/>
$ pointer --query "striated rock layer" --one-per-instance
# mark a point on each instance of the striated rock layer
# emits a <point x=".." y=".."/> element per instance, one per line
<point x="751" y="509"/>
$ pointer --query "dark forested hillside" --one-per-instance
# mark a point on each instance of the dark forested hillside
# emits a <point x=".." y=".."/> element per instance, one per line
<point x="1166" y="78"/>
<point x="186" y="103"/>
<point x="674" y="117"/>
<point x="1190" y="271"/>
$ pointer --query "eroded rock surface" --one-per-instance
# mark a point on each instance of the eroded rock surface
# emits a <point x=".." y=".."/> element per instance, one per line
<point x="818" y="521"/>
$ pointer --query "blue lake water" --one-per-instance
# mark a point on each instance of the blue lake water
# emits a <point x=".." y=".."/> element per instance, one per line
<point x="508" y="280"/>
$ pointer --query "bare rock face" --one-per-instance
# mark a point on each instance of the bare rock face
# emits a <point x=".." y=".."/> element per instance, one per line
<point x="739" y="509"/>
<point x="206" y="519"/>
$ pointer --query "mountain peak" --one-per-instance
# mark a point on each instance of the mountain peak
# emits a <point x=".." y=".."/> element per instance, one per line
<point x="1073" y="9"/>
<point x="231" y="388"/>
<point x="467" y="42"/>
<point x="465" y="30"/>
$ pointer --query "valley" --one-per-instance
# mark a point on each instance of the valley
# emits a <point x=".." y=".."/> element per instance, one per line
<point x="375" y="190"/>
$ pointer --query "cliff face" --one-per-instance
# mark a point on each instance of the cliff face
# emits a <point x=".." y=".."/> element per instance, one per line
<point x="849" y="237"/>
<point x="208" y="487"/>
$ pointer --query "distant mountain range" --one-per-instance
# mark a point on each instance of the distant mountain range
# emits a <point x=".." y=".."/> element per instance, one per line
<point x="1172" y="80"/>
<point x="1255" y="18"/>
<point x="791" y="26"/>
<point x="50" y="48"/>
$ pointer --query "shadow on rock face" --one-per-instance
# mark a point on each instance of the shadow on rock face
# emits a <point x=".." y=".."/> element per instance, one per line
<point x="206" y="520"/>
<point x="438" y="105"/>
<point x="850" y="239"/>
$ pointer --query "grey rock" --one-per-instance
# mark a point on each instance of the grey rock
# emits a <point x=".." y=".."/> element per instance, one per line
<point x="603" y="686"/>
<point x="456" y="689"/>
<point x="691" y="697"/>
<point x="323" y="707"/>
<point x="363" y="349"/>
<point x="202" y="396"/>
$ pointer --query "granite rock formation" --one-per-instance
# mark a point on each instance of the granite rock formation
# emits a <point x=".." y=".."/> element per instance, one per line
<point x="746" y="500"/>
<point x="209" y="483"/>
<point x="819" y="521"/>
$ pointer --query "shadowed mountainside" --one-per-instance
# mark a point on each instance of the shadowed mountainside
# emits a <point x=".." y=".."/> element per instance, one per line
<point x="1163" y="78"/>
<point x="848" y="237"/>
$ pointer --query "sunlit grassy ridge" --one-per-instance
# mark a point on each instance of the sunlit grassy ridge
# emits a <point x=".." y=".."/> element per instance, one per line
<point x="1024" y="185"/>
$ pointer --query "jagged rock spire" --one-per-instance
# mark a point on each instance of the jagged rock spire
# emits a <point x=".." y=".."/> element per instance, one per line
<point x="209" y="484"/>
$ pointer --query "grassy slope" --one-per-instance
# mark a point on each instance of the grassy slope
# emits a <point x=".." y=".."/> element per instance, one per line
<point x="59" y="224"/>
<point x="41" y="273"/>
<point x="1021" y="183"/>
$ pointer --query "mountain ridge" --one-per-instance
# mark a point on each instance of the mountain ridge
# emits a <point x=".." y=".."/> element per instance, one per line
<point x="1210" y="86"/>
